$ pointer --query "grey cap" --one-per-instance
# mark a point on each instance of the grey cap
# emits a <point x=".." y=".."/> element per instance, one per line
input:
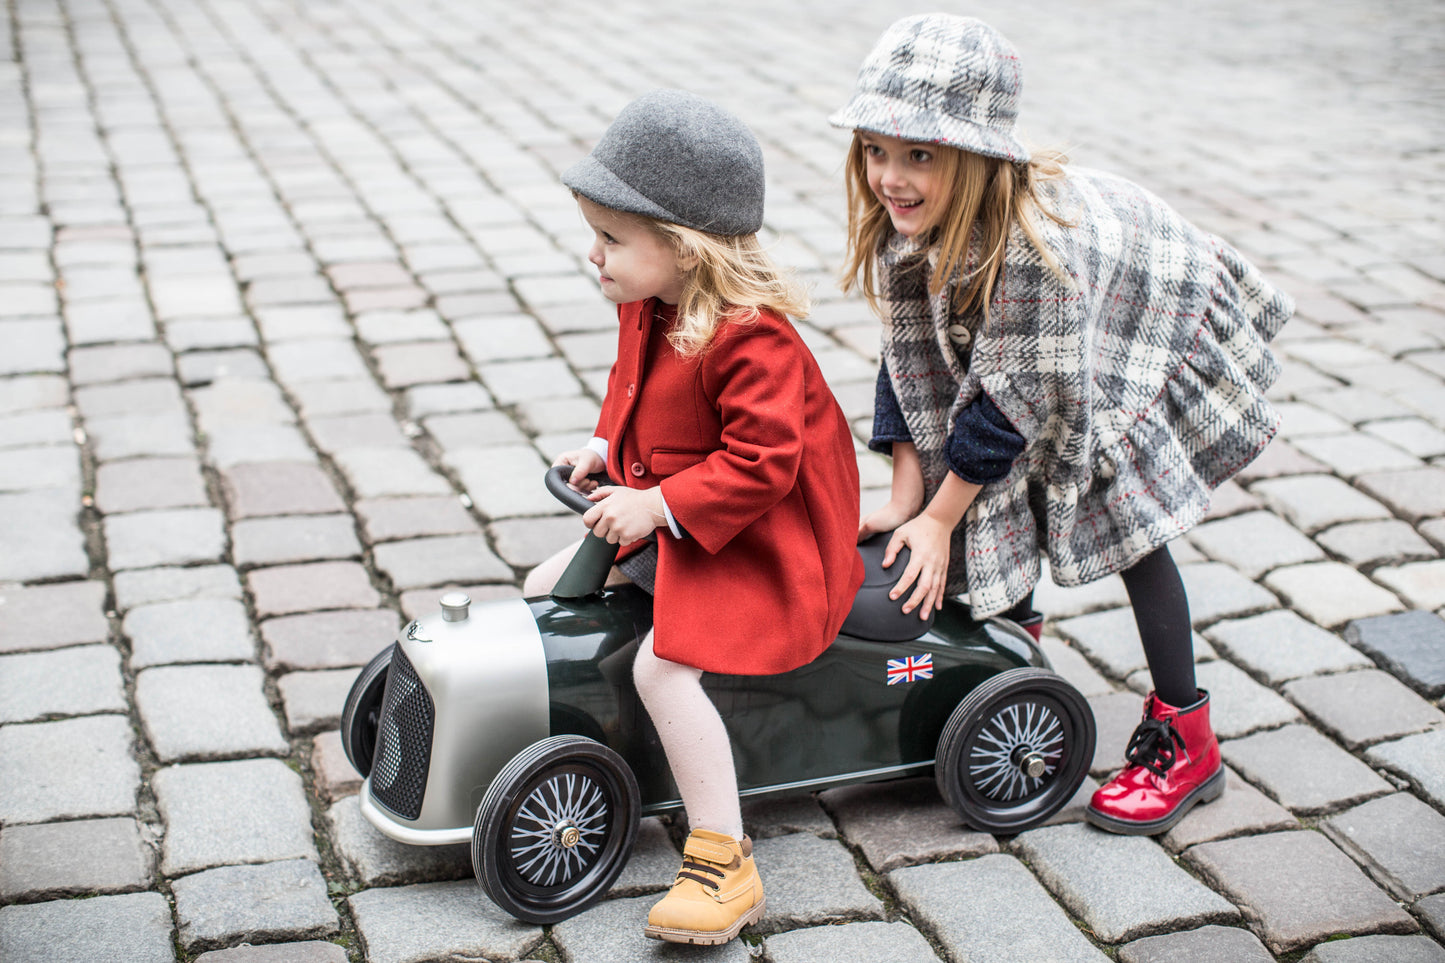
<point x="680" y="158"/>
<point x="941" y="79"/>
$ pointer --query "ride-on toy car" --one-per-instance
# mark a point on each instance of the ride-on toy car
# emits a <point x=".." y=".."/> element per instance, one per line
<point x="514" y="724"/>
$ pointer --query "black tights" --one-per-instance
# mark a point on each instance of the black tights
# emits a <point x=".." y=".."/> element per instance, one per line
<point x="1161" y="611"/>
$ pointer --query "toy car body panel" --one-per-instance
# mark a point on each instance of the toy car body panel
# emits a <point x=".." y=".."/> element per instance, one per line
<point x="861" y="711"/>
<point x="462" y="698"/>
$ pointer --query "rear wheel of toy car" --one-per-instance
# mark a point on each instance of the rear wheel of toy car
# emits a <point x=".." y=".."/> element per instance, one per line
<point x="361" y="717"/>
<point x="1015" y="750"/>
<point x="555" y="828"/>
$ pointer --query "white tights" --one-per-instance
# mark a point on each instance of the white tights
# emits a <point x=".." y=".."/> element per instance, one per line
<point x="694" y="738"/>
<point x="692" y="732"/>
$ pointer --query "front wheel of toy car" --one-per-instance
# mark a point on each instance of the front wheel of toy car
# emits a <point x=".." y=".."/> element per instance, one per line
<point x="361" y="717"/>
<point x="1015" y="750"/>
<point x="555" y="828"/>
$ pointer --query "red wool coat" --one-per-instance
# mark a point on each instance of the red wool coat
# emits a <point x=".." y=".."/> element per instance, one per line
<point x="756" y="462"/>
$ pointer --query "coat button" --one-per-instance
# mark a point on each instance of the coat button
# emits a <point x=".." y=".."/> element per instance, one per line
<point x="638" y="470"/>
<point x="631" y="389"/>
<point x="959" y="335"/>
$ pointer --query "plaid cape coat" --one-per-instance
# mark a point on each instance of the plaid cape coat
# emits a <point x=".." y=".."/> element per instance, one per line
<point x="1137" y="381"/>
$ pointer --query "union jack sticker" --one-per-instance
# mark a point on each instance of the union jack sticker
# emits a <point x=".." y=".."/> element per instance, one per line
<point x="910" y="669"/>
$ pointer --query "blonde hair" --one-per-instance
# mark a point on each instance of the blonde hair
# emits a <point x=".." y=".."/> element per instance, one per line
<point x="728" y="281"/>
<point x="986" y="197"/>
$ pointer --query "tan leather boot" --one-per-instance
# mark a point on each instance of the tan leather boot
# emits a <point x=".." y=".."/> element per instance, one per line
<point x="716" y="893"/>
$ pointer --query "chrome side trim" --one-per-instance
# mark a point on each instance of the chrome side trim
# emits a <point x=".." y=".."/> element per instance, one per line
<point x="844" y="779"/>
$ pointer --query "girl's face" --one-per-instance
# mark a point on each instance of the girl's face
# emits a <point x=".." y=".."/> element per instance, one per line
<point x="633" y="261"/>
<point x="901" y="174"/>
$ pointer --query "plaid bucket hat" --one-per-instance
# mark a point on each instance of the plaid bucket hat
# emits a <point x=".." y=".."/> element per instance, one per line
<point x="940" y="79"/>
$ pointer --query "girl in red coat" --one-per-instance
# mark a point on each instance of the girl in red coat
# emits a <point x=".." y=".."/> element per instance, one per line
<point x="737" y="501"/>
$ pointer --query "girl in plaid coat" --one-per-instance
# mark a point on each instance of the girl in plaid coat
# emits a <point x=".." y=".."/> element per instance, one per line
<point x="1068" y="369"/>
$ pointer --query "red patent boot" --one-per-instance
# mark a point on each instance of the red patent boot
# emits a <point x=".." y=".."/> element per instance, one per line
<point x="1174" y="763"/>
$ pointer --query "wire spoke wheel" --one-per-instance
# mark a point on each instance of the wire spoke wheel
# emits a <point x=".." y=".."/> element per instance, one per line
<point x="555" y="828"/>
<point x="1015" y="750"/>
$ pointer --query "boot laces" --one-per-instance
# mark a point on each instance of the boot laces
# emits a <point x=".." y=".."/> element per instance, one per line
<point x="691" y="868"/>
<point x="1153" y="746"/>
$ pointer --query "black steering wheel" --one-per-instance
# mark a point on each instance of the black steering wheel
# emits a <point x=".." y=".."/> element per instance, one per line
<point x="556" y="479"/>
<point x="587" y="572"/>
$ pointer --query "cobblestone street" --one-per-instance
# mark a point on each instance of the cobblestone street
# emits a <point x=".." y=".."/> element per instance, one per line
<point x="294" y="313"/>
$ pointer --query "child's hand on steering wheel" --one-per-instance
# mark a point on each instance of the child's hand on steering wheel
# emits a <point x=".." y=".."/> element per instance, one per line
<point x="584" y="462"/>
<point x="623" y="515"/>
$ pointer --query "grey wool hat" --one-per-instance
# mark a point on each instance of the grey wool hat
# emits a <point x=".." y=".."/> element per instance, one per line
<point x="940" y="79"/>
<point x="680" y="158"/>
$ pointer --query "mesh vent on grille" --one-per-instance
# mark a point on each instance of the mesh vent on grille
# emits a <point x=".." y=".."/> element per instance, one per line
<point x="403" y="744"/>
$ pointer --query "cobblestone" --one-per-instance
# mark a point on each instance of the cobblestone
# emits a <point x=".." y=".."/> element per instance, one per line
<point x="289" y="589"/>
<point x="903" y="824"/>
<point x="1398" y="840"/>
<point x="1331" y="593"/>
<point x="991" y="908"/>
<point x="152" y="585"/>
<point x="312" y="701"/>
<point x="1421" y="584"/>
<point x="207" y="712"/>
<point x="408" y="924"/>
<point x="320" y="186"/>
<point x="327" y="640"/>
<point x="1371" y="543"/>
<point x="174" y="537"/>
<point x="245" y="904"/>
<point x="1208" y="944"/>
<point x="1254" y="543"/>
<point x="1410" y="645"/>
<point x="1279" y="646"/>
<point x="79" y="857"/>
<point x="195" y="630"/>
<point x="65" y="682"/>
<point x="279" y="488"/>
<point x="1302" y="770"/>
<point x="135" y="927"/>
<point x="1297" y="889"/>
<point x="298" y="538"/>
<point x="103" y="783"/>
<point x="435" y="561"/>
<point x="1419" y="758"/>
<point x="219" y="813"/>
<point x="1313" y="502"/>
<point x="1360" y="708"/>
<point x="41" y="536"/>
<point x="1378" y="949"/>
<point x="373" y="859"/>
<point x="1122" y="887"/>
<point x="149" y="483"/>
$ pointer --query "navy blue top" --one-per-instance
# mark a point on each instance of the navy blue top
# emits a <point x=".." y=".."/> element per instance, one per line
<point x="981" y="448"/>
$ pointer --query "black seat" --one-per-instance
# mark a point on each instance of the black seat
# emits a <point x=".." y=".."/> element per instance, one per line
<point x="874" y="615"/>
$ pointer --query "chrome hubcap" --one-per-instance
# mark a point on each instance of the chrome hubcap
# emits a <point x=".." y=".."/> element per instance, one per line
<point x="1014" y="750"/>
<point x="559" y="829"/>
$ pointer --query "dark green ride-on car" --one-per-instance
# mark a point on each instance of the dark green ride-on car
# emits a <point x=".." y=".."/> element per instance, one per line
<point x="514" y="724"/>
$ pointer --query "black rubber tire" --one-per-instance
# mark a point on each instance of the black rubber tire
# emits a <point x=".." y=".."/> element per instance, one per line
<point x="517" y="850"/>
<point x="361" y="718"/>
<point x="1014" y="713"/>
